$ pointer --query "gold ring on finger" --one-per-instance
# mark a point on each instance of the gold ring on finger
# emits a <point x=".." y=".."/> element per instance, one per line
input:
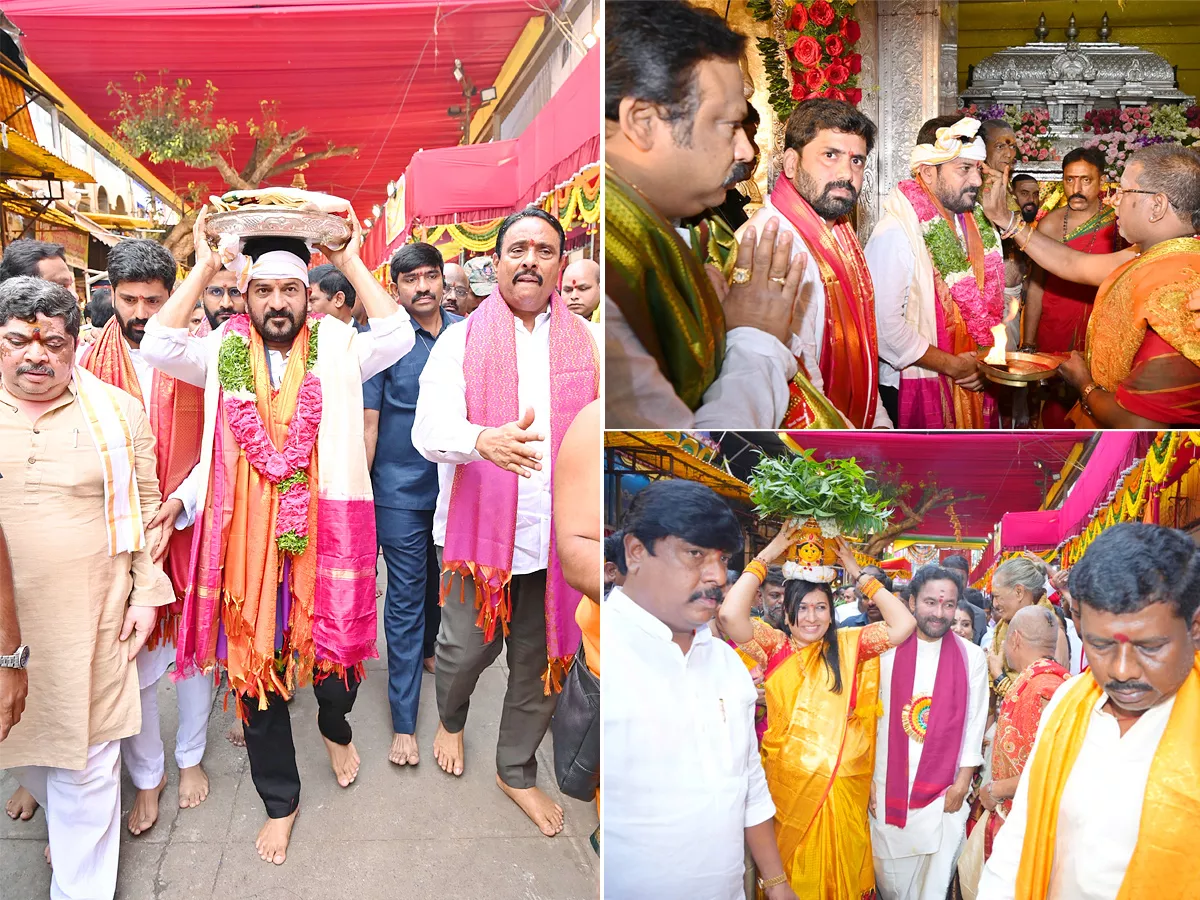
<point x="741" y="275"/>
<point x="778" y="280"/>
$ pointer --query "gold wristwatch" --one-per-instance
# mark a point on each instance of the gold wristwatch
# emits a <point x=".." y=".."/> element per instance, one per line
<point x="771" y="882"/>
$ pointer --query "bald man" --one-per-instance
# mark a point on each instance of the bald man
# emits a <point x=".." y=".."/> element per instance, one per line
<point x="457" y="292"/>
<point x="581" y="287"/>
<point x="1029" y="648"/>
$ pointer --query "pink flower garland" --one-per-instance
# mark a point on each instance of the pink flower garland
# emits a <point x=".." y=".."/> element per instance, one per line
<point x="980" y="310"/>
<point x="282" y="468"/>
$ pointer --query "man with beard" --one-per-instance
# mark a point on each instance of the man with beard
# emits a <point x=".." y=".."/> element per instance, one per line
<point x="826" y="144"/>
<point x="222" y="299"/>
<point x="457" y="292"/>
<point x="929" y="741"/>
<point x="330" y="293"/>
<point x="76" y="499"/>
<point x="1056" y="310"/>
<point x="581" y="287"/>
<point x="1139" y="368"/>
<point x="282" y="591"/>
<point x="1109" y="803"/>
<point x="685" y="347"/>
<point x="939" y="283"/>
<point x="405" y="485"/>
<point x="1028" y="194"/>
<point x="679" y="707"/>
<point x="142" y="274"/>
<point x="497" y="395"/>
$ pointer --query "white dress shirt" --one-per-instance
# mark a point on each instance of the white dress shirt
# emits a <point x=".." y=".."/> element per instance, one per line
<point x="809" y="337"/>
<point x="751" y="390"/>
<point x="1099" y="814"/>
<point x="923" y="832"/>
<point x="890" y="257"/>
<point x="682" y="775"/>
<point x="185" y="356"/>
<point x="442" y="434"/>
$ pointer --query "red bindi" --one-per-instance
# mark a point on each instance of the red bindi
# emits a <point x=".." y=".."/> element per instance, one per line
<point x="1120" y="637"/>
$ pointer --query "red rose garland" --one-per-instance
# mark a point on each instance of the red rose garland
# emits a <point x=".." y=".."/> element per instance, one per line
<point x="818" y="45"/>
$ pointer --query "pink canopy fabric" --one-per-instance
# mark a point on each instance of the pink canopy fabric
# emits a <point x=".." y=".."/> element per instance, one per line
<point x="998" y="467"/>
<point x="485" y="181"/>
<point x="378" y="76"/>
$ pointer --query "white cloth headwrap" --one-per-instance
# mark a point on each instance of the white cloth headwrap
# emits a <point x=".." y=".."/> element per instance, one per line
<point x="949" y="145"/>
<point x="817" y="574"/>
<point x="274" y="264"/>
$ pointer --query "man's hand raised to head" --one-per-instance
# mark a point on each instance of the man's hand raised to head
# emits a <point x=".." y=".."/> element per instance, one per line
<point x="509" y="446"/>
<point x="768" y="300"/>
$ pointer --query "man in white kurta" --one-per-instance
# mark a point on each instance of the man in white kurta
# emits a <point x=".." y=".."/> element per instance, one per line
<point x="916" y="862"/>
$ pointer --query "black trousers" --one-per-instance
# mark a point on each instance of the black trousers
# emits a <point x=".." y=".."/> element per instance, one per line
<point x="269" y="739"/>
<point x="891" y="402"/>
<point x="433" y="610"/>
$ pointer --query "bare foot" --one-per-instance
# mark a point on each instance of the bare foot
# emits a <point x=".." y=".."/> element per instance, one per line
<point x="404" y="750"/>
<point x="145" y="808"/>
<point x="344" y="760"/>
<point x="273" y="838"/>
<point x="21" y="805"/>
<point x="429" y="664"/>
<point x="546" y="814"/>
<point x="448" y="750"/>
<point x="193" y="786"/>
<point x="235" y="735"/>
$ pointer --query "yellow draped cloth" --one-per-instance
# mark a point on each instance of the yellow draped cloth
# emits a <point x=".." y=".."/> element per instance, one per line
<point x="819" y="755"/>
<point x="1165" y="862"/>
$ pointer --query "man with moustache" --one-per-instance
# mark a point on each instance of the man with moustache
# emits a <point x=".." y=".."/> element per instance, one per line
<point x="826" y="144"/>
<point x="1057" y="311"/>
<point x="928" y="744"/>
<point x="222" y="300"/>
<point x="499" y="391"/>
<point x="142" y="274"/>
<point x="1109" y="803"/>
<point x="581" y="287"/>
<point x="684" y="346"/>
<point x="678" y="708"/>
<point x="457" y="292"/>
<point x="281" y="580"/>
<point x="76" y="499"/>
<point x="1026" y="192"/>
<point x="939" y="280"/>
<point x="868" y="612"/>
<point x="405" y="485"/>
<point x="1139" y="367"/>
<point x="329" y="293"/>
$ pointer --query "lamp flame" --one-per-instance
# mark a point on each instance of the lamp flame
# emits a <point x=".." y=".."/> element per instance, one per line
<point x="996" y="356"/>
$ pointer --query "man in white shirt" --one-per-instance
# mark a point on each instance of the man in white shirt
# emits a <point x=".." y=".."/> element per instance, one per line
<point x="683" y="348"/>
<point x="497" y="395"/>
<point x="929" y="742"/>
<point x="1128" y="802"/>
<point x="684" y="789"/>
<point x="826" y="145"/>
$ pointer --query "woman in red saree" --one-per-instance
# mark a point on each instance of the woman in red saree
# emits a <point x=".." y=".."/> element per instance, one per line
<point x="822" y="696"/>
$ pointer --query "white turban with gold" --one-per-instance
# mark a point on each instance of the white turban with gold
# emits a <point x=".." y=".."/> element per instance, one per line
<point x="273" y="264"/>
<point x="958" y="141"/>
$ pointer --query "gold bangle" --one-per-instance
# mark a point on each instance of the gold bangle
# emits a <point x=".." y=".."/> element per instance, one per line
<point x="871" y="587"/>
<point x="757" y="568"/>
<point x="771" y="882"/>
<point x="1087" y="392"/>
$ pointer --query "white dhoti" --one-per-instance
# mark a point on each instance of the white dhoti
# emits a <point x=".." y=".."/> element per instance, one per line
<point x="144" y="753"/>
<point x="83" y="817"/>
<point x="922" y="876"/>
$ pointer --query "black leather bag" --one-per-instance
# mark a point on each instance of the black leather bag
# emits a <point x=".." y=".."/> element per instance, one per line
<point x="576" y="728"/>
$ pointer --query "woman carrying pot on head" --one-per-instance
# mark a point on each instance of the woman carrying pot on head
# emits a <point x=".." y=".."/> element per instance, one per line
<point x="822" y="697"/>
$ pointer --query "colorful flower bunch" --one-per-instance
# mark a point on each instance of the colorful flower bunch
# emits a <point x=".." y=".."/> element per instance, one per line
<point x="285" y="469"/>
<point x="1030" y="126"/>
<point x="1118" y="133"/>
<point x="819" y="44"/>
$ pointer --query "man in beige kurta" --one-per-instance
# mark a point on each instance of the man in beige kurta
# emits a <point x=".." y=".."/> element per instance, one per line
<point x="82" y="608"/>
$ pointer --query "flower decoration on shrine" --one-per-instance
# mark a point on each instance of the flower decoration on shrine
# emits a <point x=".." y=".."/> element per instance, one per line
<point x="1120" y="132"/>
<point x="812" y="53"/>
<point x="1031" y="128"/>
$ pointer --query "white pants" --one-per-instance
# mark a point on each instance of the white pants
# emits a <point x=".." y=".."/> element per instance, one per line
<point x="83" y="816"/>
<point x="144" y="752"/>
<point x="926" y="876"/>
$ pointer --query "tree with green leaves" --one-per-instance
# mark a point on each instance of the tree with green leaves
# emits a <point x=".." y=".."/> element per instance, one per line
<point x="165" y="123"/>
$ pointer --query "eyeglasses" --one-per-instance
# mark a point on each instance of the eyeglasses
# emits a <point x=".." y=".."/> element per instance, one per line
<point x="218" y="292"/>
<point x="456" y="292"/>
<point x="1116" y="196"/>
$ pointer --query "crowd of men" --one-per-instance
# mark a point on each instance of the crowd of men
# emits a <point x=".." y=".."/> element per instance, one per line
<point x="796" y="324"/>
<point x="204" y="480"/>
<point x="1057" y="760"/>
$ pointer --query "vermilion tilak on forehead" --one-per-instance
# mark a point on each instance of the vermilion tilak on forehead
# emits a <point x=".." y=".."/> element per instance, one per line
<point x="1121" y="638"/>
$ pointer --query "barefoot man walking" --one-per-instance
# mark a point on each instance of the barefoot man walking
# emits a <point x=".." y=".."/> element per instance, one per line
<point x="492" y="416"/>
<point x="283" y="589"/>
